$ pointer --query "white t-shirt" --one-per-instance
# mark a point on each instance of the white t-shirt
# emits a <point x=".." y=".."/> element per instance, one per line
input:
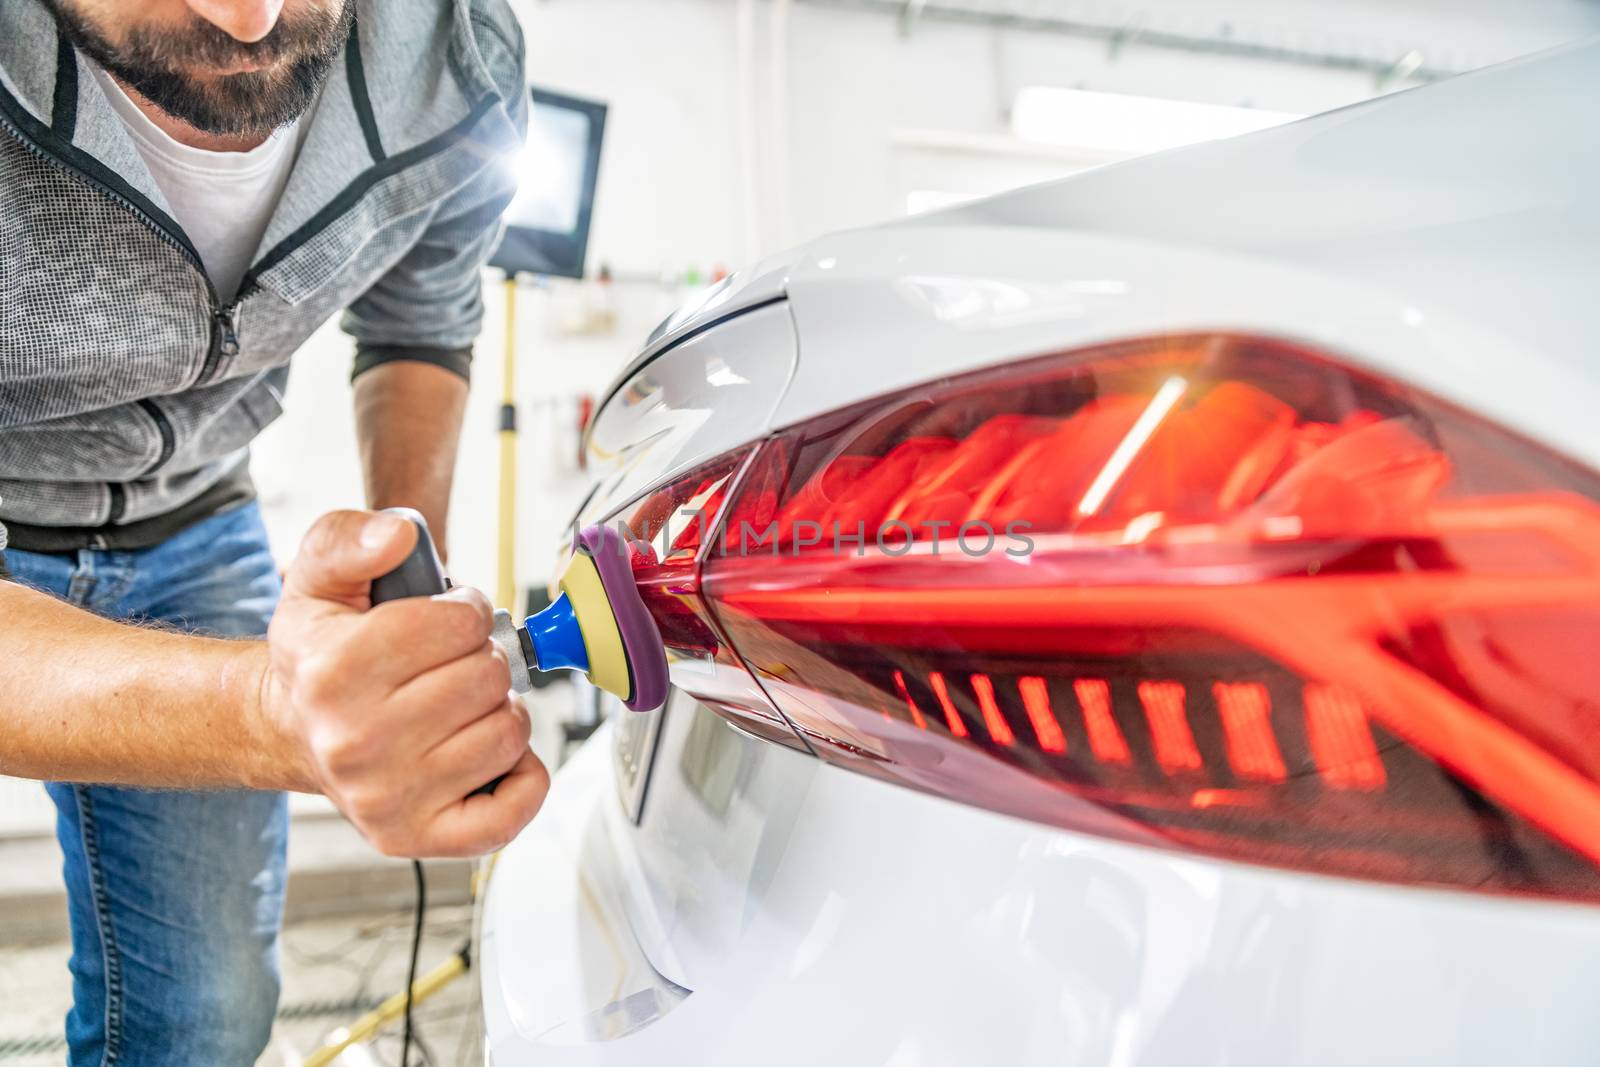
<point x="223" y="200"/>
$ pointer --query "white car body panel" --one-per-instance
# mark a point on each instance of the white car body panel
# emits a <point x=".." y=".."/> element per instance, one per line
<point x="984" y="296"/>
<point x="868" y="924"/>
<point x="711" y="393"/>
<point x="807" y="914"/>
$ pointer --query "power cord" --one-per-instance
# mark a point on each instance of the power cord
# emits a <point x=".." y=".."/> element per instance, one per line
<point x="416" y="951"/>
<point x="400" y="1005"/>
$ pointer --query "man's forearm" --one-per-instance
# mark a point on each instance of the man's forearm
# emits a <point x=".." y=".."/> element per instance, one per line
<point x="408" y="421"/>
<point x="399" y="743"/>
<point x="83" y="699"/>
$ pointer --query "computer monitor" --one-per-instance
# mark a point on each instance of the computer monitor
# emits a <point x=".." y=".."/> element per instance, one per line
<point x="547" y="224"/>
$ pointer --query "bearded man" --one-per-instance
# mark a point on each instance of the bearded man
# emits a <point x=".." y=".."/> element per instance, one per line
<point x="188" y="190"/>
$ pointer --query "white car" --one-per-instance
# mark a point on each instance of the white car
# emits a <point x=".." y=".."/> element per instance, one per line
<point x="1148" y="619"/>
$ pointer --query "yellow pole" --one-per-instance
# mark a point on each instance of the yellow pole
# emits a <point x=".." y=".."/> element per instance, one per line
<point x="506" y="585"/>
<point x="364" y="1028"/>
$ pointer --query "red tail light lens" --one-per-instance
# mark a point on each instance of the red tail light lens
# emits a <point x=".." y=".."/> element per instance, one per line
<point x="1211" y="592"/>
<point x="673" y="522"/>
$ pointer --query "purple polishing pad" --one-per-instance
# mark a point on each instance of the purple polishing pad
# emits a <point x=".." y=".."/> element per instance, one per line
<point x="641" y="641"/>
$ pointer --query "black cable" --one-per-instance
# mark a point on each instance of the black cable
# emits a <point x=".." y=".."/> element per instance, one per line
<point x="416" y="951"/>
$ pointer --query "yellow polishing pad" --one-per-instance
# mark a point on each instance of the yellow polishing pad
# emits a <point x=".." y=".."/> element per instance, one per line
<point x="608" y="664"/>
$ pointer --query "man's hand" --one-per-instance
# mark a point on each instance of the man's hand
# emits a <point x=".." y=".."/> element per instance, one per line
<point x="402" y="710"/>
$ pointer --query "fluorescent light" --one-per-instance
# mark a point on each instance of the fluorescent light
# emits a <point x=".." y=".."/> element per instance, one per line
<point x="1129" y="125"/>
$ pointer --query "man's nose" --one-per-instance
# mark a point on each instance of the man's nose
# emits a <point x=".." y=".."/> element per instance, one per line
<point x="243" y="20"/>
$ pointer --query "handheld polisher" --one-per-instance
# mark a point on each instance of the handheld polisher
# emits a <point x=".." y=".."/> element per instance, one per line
<point x="598" y="625"/>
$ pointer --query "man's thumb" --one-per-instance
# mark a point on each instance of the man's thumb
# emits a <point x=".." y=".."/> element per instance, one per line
<point x="344" y="551"/>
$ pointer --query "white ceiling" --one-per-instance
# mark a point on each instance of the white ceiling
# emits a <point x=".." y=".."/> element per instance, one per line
<point x="1452" y="35"/>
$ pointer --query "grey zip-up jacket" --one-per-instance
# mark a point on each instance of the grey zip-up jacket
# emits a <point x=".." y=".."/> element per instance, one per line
<point x="127" y="390"/>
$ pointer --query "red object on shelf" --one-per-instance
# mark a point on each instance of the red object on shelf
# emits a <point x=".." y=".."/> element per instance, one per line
<point x="585" y="417"/>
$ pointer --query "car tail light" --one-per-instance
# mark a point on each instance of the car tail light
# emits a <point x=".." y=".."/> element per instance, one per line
<point x="1209" y="592"/>
<point x="667" y="528"/>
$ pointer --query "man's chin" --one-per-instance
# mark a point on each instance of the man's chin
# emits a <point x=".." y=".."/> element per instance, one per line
<point x="243" y="104"/>
<point x="242" y="98"/>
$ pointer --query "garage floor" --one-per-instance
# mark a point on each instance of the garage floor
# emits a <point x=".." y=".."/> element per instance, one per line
<point x="333" y="970"/>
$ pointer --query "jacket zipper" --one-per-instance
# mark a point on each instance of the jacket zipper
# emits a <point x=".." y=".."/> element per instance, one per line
<point x="224" y="338"/>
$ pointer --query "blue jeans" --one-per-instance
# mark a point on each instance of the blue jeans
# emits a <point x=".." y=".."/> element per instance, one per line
<point x="174" y="898"/>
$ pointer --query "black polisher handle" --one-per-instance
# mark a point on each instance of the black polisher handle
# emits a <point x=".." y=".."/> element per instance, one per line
<point x="419" y="574"/>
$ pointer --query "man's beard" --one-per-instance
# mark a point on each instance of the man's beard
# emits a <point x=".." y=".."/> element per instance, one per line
<point x="156" y="63"/>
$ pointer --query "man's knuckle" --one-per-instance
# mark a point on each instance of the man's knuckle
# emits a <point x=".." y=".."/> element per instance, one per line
<point x="329" y="740"/>
<point x="454" y="627"/>
<point x="343" y="759"/>
<point x="375" y="805"/>
<point x="511" y="744"/>
<point x="482" y="841"/>
<point x="469" y="621"/>
<point x="328" y="533"/>
<point x="491" y="679"/>
<point x="509" y="732"/>
<point x="524" y="721"/>
<point x="393" y="845"/>
<point x="509" y="825"/>
<point x="320" y="677"/>
<point x="541" y="775"/>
